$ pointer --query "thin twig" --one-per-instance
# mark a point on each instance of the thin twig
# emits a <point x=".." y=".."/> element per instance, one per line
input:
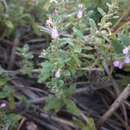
<point x="117" y="91"/>
<point x="122" y="97"/>
<point x="13" y="51"/>
<point x="57" y="119"/>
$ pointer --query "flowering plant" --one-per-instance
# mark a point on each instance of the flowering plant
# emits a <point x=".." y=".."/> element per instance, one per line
<point x="79" y="36"/>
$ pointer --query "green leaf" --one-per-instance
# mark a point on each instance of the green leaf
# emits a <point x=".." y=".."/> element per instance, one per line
<point x="35" y="27"/>
<point x="11" y="101"/>
<point x="85" y="2"/>
<point x="46" y="5"/>
<point x="125" y="39"/>
<point x="93" y="26"/>
<point x="101" y="11"/>
<point x="69" y="91"/>
<point x="6" y="91"/>
<point x="78" y="33"/>
<point x="88" y="56"/>
<point x="118" y="47"/>
<point x="3" y="81"/>
<point x="72" y="108"/>
<point x="46" y="71"/>
<point x="77" y="49"/>
<point x="90" y="125"/>
<point x="9" y="24"/>
<point x="65" y="41"/>
<point x="12" y="119"/>
<point x="53" y="104"/>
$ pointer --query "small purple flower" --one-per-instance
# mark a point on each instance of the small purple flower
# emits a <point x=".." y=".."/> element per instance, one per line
<point x="49" y="22"/>
<point x="80" y="14"/>
<point x="58" y="73"/>
<point x="3" y="104"/>
<point x="126" y="50"/>
<point x="121" y="65"/>
<point x="54" y="33"/>
<point x="127" y="60"/>
<point x="118" y="64"/>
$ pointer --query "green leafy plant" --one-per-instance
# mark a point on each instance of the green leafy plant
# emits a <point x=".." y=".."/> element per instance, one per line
<point x="9" y="120"/>
<point x="79" y="38"/>
<point x="66" y="57"/>
<point x="26" y="62"/>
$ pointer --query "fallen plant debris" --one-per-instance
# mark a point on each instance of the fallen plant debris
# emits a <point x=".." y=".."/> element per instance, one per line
<point x="64" y="65"/>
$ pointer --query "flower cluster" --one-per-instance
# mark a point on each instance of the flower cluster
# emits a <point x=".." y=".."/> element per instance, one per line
<point x="54" y="31"/>
<point x="80" y="12"/>
<point x="119" y="64"/>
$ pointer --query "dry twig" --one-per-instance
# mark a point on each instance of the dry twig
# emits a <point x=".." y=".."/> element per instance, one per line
<point x="122" y="97"/>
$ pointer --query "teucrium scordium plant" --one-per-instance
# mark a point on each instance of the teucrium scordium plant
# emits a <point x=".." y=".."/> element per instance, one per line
<point x="76" y="44"/>
<point x="68" y="55"/>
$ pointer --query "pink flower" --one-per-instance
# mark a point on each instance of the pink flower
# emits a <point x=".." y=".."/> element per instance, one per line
<point x="118" y="64"/>
<point x="80" y="14"/>
<point x="49" y="22"/>
<point x="54" y="33"/>
<point x="126" y="50"/>
<point x="121" y="65"/>
<point x="58" y="73"/>
<point x="3" y="105"/>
